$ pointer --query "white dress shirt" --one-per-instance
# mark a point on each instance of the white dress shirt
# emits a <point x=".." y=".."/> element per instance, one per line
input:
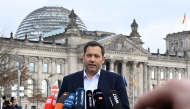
<point x="91" y="84"/>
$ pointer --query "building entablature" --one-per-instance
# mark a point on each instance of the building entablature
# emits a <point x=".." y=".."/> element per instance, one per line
<point x="121" y="43"/>
<point x="179" y="34"/>
<point x="167" y="59"/>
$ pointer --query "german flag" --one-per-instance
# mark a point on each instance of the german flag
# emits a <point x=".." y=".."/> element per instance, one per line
<point x="134" y="82"/>
<point x="184" y="19"/>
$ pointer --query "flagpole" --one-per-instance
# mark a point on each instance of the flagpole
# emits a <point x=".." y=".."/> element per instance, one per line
<point x="185" y="20"/>
<point x="133" y="94"/>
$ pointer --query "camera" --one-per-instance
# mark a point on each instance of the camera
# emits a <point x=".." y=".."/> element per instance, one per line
<point x="7" y="99"/>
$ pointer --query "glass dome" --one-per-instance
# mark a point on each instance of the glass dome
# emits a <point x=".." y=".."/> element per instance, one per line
<point x="44" y="20"/>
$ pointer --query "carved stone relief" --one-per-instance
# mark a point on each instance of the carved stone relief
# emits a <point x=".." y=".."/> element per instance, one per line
<point x="119" y="44"/>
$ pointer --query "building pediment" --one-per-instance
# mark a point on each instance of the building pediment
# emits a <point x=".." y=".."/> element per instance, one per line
<point x="120" y="43"/>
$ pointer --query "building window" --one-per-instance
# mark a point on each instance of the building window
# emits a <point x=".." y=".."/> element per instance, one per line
<point x="44" y="88"/>
<point x="30" y="88"/>
<point x="119" y="67"/>
<point x="32" y="67"/>
<point x="153" y="75"/>
<point x="153" y="86"/>
<point x="2" y="65"/>
<point x="172" y="46"/>
<point x="107" y="66"/>
<point x="58" y="83"/>
<point x="171" y="75"/>
<point x="181" y="44"/>
<point x="2" y="90"/>
<point x="46" y="68"/>
<point x="17" y="64"/>
<point x="176" y="45"/>
<point x="162" y="75"/>
<point x="179" y="75"/>
<point x="58" y="68"/>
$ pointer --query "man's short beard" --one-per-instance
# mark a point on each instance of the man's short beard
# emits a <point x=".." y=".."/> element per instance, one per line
<point x="92" y="71"/>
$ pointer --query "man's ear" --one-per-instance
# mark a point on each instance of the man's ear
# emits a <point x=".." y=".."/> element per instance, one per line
<point x="82" y="58"/>
<point x="103" y="59"/>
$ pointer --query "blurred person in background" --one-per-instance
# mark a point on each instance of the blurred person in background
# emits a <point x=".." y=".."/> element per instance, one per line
<point x="10" y="104"/>
<point x="14" y="103"/>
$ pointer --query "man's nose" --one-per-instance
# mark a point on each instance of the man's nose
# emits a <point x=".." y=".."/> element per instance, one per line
<point x="92" y="58"/>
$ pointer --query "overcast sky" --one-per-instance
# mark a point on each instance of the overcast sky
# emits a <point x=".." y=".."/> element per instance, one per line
<point x="155" y="18"/>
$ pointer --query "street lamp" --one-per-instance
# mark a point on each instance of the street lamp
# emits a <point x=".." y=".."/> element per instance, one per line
<point x="20" y="60"/>
<point x="50" y="76"/>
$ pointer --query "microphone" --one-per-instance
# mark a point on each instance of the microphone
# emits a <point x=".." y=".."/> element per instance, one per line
<point x="60" y="102"/>
<point x="69" y="102"/>
<point x="80" y="99"/>
<point x="89" y="100"/>
<point x="50" y="102"/>
<point x="99" y="99"/>
<point x="63" y="97"/>
<point x="114" y="99"/>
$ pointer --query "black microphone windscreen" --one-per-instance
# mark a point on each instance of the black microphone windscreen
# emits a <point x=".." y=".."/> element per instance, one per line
<point x="114" y="99"/>
<point x="80" y="99"/>
<point x="89" y="100"/>
<point x="99" y="99"/>
<point x="63" y="97"/>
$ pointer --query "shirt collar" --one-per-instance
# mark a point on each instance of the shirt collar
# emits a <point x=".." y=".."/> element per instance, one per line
<point x="85" y="75"/>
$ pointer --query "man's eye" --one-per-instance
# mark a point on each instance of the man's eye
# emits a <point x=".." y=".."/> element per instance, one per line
<point x="89" y="55"/>
<point x="96" y="56"/>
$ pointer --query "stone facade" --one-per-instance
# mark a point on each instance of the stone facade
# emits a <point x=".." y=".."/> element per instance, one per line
<point x="124" y="55"/>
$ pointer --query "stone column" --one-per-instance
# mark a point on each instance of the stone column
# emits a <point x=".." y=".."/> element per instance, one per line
<point x="112" y="65"/>
<point x="80" y="64"/>
<point x="168" y="73"/>
<point x="145" y="77"/>
<point x="26" y="61"/>
<point x="186" y="74"/>
<point x="66" y="67"/>
<point x="177" y="73"/>
<point x="104" y="66"/>
<point x="53" y="71"/>
<point x="27" y="64"/>
<point x="115" y="67"/>
<point x="40" y="71"/>
<point x="158" y="76"/>
<point x="149" y="77"/>
<point x="183" y="74"/>
<point x="124" y="67"/>
<point x="53" y="66"/>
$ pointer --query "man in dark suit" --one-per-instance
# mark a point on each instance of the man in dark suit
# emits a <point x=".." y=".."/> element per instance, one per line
<point x="93" y="77"/>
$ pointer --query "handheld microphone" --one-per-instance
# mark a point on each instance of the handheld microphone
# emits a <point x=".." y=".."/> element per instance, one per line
<point x="114" y="99"/>
<point x="63" y="97"/>
<point x="60" y="102"/>
<point x="89" y="100"/>
<point x="69" y="102"/>
<point x="80" y="99"/>
<point x="99" y="99"/>
<point x="50" y="102"/>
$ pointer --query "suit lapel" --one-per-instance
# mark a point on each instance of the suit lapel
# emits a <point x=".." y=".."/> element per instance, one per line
<point x="103" y="80"/>
<point x="79" y="79"/>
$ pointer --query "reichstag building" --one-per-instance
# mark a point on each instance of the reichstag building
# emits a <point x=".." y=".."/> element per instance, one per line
<point x="51" y="41"/>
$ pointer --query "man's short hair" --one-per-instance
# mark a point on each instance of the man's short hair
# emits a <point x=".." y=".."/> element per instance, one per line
<point x="93" y="44"/>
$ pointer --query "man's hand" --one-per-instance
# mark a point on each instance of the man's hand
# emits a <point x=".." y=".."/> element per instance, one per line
<point x="10" y="103"/>
<point x="174" y="94"/>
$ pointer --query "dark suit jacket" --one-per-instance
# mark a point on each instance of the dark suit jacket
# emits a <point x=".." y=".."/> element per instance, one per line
<point x="107" y="81"/>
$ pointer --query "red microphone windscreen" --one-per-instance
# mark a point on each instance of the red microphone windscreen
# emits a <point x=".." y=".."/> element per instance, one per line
<point x="50" y="102"/>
